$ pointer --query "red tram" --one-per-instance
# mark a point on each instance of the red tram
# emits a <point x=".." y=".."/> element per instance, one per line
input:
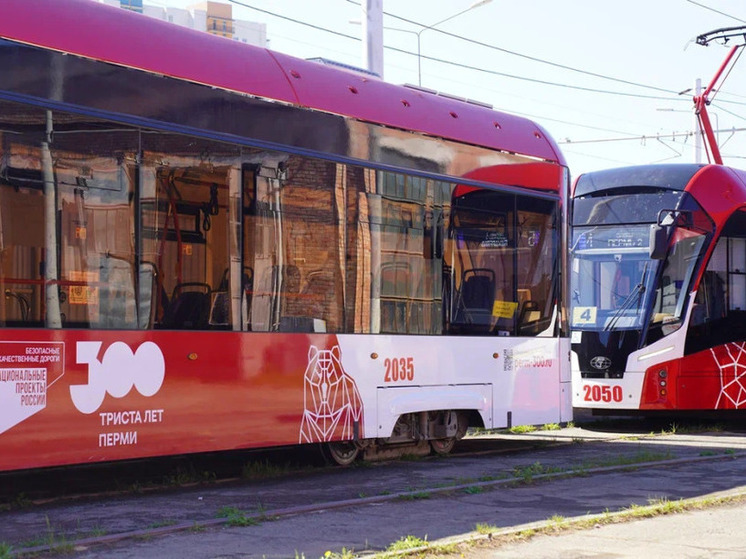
<point x="659" y="319"/>
<point x="206" y="245"/>
<point x="658" y="274"/>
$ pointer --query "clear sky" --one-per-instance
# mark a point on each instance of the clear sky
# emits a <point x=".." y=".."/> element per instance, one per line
<point x="521" y="57"/>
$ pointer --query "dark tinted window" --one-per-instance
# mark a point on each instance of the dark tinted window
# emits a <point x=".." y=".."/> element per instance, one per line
<point x="623" y="208"/>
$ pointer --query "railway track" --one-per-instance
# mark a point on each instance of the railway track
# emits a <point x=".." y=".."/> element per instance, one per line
<point x="539" y="462"/>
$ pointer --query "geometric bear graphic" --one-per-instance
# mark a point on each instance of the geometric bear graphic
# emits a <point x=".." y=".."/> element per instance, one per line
<point x="732" y="365"/>
<point x="331" y="402"/>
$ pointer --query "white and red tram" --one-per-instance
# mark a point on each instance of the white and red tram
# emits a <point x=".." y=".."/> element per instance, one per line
<point x="659" y="317"/>
<point x="206" y="245"/>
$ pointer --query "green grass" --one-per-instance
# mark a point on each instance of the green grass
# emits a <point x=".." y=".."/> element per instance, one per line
<point x="57" y="543"/>
<point x="344" y="554"/>
<point x="520" y="429"/>
<point x="264" y="469"/>
<point x="407" y="543"/>
<point x="482" y="528"/>
<point x="188" y="475"/>
<point x="526" y="473"/>
<point x="236" y="517"/>
<point x="417" y="496"/>
<point x="6" y="550"/>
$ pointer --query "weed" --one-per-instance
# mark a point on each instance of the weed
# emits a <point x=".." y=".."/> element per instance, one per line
<point x="570" y="424"/>
<point x="264" y="469"/>
<point x="474" y="490"/>
<point x="406" y="543"/>
<point x="21" y="502"/>
<point x="520" y="429"/>
<point x="551" y="427"/>
<point x="161" y="524"/>
<point x="558" y="522"/>
<point x="419" y="495"/>
<point x="236" y="517"/>
<point x="344" y="554"/>
<point x="707" y="453"/>
<point x="6" y="550"/>
<point x="97" y="532"/>
<point x="730" y="451"/>
<point x="188" y="476"/>
<point x="197" y="528"/>
<point x="55" y="542"/>
<point x="482" y="528"/>
<point x="527" y="473"/>
<point x="638" y="458"/>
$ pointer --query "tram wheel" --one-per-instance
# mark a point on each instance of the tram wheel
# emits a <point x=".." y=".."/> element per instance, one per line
<point x="443" y="446"/>
<point x="343" y="453"/>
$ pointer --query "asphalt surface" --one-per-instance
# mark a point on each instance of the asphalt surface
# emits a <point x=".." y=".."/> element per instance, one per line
<point x="507" y="492"/>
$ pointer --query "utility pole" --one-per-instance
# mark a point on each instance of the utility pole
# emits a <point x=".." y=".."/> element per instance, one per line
<point x="372" y="18"/>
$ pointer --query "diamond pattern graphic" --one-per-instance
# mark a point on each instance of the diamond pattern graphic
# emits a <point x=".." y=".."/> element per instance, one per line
<point x="331" y="401"/>
<point x="732" y="366"/>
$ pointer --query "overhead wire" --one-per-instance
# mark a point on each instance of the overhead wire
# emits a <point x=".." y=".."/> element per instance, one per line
<point x="674" y="95"/>
<point x="714" y="10"/>
<point x="521" y="55"/>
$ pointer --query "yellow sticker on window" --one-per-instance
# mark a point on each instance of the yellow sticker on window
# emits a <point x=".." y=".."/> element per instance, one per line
<point x="504" y="309"/>
<point x="584" y="315"/>
<point x="83" y="294"/>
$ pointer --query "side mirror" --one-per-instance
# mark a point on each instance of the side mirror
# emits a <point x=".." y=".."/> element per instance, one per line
<point x="658" y="241"/>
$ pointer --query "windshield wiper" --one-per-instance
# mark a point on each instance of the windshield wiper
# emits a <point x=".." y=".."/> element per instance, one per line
<point x="637" y="291"/>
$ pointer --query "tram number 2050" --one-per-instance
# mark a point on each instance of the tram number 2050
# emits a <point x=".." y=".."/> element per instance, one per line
<point x="399" y="369"/>
<point x="597" y="393"/>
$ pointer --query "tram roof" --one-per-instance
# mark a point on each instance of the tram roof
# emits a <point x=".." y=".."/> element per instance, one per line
<point x="129" y="39"/>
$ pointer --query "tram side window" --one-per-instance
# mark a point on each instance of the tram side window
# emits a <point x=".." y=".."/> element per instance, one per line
<point x="719" y="311"/>
<point x="189" y="240"/>
<point x="405" y="221"/>
<point x="537" y="249"/>
<point x="293" y="248"/>
<point x="66" y="206"/>
<point x="502" y="257"/>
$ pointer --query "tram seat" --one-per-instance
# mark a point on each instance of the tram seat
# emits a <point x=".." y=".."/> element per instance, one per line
<point x="220" y="310"/>
<point x="300" y="324"/>
<point x="529" y="313"/>
<point x="189" y="308"/>
<point x="476" y="297"/>
<point x="23" y="306"/>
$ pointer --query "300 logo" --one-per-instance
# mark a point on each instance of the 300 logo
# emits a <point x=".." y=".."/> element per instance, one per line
<point x="118" y="371"/>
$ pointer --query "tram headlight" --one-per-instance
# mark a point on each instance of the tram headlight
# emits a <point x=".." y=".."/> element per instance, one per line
<point x="662" y="373"/>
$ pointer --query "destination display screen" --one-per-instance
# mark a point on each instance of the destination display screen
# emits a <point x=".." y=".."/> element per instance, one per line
<point x="634" y="236"/>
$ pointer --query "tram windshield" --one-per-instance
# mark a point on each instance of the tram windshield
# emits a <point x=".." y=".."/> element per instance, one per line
<point x="615" y="284"/>
<point x="612" y="277"/>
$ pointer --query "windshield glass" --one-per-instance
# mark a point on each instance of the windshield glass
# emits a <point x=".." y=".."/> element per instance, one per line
<point x="670" y="297"/>
<point x="623" y="208"/>
<point x="612" y="277"/>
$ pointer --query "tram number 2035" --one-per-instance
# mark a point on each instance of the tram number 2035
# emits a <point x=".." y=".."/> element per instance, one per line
<point x="597" y="393"/>
<point x="399" y="369"/>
